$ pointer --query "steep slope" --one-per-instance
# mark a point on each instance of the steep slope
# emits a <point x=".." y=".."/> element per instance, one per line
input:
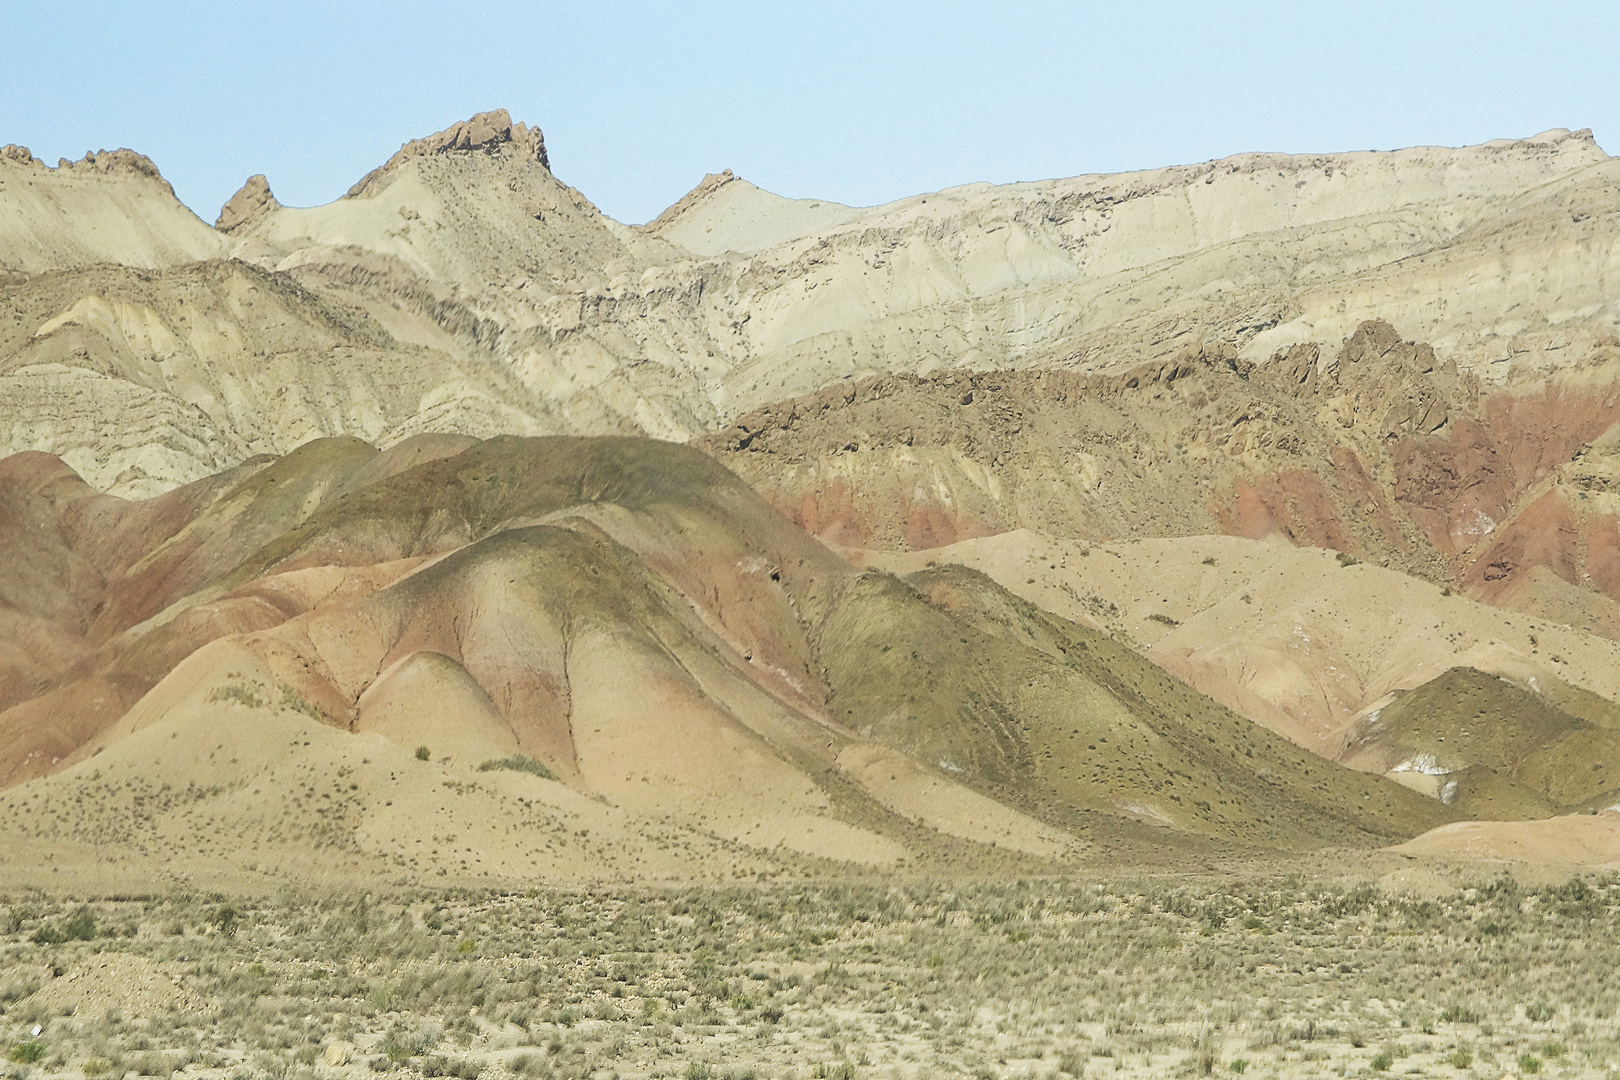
<point x="632" y="620"/>
<point x="207" y="364"/>
<point x="108" y="207"/>
<point x="957" y="672"/>
<point x="726" y="213"/>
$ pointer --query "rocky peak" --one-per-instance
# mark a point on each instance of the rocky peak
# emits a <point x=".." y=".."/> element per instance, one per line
<point x="707" y="186"/>
<point x="121" y="162"/>
<point x="248" y="205"/>
<point x="485" y="131"/>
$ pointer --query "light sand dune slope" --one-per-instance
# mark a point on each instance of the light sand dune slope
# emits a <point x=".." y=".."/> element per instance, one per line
<point x="1570" y="842"/>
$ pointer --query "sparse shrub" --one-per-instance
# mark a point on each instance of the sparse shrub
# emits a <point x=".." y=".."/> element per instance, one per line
<point x="153" y="1063"/>
<point x="239" y="692"/>
<point x="1540" y="1012"/>
<point x="225" y="918"/>
<point x="27" y="1053"/>
<point x="515" y="763"/>
<point x="462" y="1068"/>
<point x="1381" y="1061"/>
<point x="423" y="753"/>
<point x="82" y="927"/>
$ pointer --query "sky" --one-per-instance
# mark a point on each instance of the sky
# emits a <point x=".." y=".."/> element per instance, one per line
<point x="854" y="102"/>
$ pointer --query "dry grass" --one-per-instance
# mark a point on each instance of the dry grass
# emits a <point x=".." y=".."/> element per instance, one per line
<point x="1038" y="979"/>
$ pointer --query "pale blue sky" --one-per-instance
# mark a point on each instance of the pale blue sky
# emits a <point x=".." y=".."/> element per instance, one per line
<point x="858" y="102"/>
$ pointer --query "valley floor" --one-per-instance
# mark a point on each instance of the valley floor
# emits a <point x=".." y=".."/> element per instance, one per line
<point x="1262" y="978"/>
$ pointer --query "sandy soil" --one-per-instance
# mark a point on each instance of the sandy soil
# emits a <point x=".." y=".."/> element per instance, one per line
<point x="1570" y="842"/>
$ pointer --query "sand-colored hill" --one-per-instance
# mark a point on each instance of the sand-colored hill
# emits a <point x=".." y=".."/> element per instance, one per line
<point x="1571" y="842"/>
<point x="108" y="207"/>
<point x="620" y="621"/>
<point x="313" y="479"/>
<point x="509" y="303"/>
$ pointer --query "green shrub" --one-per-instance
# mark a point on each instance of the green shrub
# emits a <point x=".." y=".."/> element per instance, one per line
<point x="26" y="1053"/>
<point x="1381" y="1061"/>
<point x="423" y="753"/>
<point x="82" y="927"/>
<point x="1238" y="1065"/>
<point x="1460" y="1059"/>
<point x="516" y="763"/>
<point x="1528" y="1063"/>
<point x="225" y="918"/>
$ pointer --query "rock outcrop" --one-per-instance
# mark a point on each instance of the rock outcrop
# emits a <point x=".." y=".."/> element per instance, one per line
<point x="251" y="202"/>
<point x="485" y="131"/>
<point x="707" y="186"/>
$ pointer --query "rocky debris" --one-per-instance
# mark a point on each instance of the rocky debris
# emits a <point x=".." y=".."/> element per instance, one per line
<point x="133" y="985"/>
<point x="485" y="131"/>
<point x="251" y="202"/>
<point x="19" y="154"/>
<point x="1377" y="448"/>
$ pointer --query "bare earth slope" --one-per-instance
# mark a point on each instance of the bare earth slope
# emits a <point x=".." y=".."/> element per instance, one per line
<point x="109" y="207"/>
<point x="1375" y="446"/>
<point x="1362" y="665"/>
<point x="632" y="625"/>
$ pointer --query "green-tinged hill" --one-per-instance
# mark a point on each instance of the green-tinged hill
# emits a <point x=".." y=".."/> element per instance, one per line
<point x="651" y="634"/>
<point x="953" y="669"/>
<point x="1491" y="748"/>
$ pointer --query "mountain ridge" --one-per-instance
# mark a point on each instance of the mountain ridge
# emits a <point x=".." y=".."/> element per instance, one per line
<point x="991" y="527"/>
